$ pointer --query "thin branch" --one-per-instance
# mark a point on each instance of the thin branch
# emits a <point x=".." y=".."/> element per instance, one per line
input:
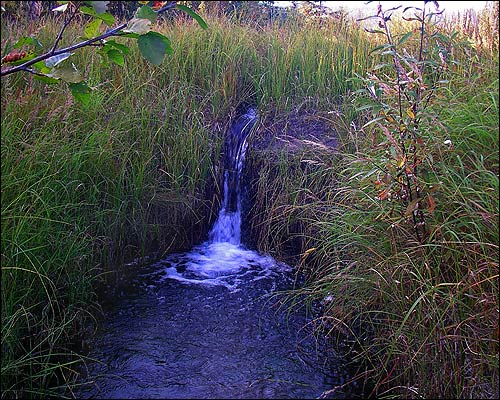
<point x="49" y="54"/>
<point x="52" y="53"/>
<point x="167" y="7"/>
<point x="365" y="18"/>
<point x="32" y="71"/>
<point x="67" y="21"/>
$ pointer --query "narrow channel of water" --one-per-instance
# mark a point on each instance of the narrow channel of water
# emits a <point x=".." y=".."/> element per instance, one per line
<point x="208" y="323"/>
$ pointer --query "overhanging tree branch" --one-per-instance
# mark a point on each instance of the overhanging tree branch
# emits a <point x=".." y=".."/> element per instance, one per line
<point x="49" y="54"/>
<point x="65" y="25"/>
<point x="53" y="52"/>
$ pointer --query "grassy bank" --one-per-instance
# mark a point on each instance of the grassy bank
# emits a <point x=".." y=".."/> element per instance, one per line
<point x="86" y="188"/>
<point x="422" y="316"/>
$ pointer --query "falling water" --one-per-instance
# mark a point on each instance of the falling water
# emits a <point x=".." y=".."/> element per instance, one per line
<point x="227" y="228"/>
<point x="206" y="324"/>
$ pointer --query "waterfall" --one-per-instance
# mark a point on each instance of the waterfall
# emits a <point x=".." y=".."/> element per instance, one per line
<point x="227" y="227"/>
<point x="222" y="259"/>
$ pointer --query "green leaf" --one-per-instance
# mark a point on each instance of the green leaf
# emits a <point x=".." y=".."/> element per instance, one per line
<point x="375" y="31"/>
<point x="373" y="121"/>
<point x="116" y="57"/>
<point x="380" y="66"/>
<point x="81" y="92"/>
<point x="146" y="12"/>
<point x="412" y="207"/>
<point x="124" y="49"/>
<point x="46" y="79"/>
<point x="431" y="63"/>
<point x="54" y="60"/>
<point x="381" y="47"/>
<point x="41" y="67"/>
<point x="153" y="47"/>
<point x="138" y="25"/>
<point x="28" y="40"/>
<point x="30" y="55"/>
<point x="129" y="35"/>
<point x="68" y="74"/>
<point x="393" y="152"/>
<point x="202" y="23"/>
<point x="104" y="49"/>
<point x="405" y="38"/>
<point x="106" y="17"/>
<point x="388" y="52"/>
<point x="88" y="11"/>
<point x="103" y="52"/>
<point x="92" y="28"/>
<point x="412" y="93"/>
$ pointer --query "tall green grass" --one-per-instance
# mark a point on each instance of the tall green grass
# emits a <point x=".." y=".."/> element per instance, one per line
<point x="433" y="307"/>
<point x="87" y="188"/>
<point x="423" y="318"/>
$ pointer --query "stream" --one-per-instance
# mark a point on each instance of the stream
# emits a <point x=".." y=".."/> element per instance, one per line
<point x="211" y="323"/>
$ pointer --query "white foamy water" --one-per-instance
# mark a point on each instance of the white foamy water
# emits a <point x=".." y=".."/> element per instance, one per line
<point x="220" y="264"/>
<point x="227" y="228"/>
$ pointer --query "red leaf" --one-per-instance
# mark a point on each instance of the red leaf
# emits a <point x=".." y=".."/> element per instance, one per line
<point x="158" y="4"/>
<point x="14" y="56"/>
<point x="431" y="203"/>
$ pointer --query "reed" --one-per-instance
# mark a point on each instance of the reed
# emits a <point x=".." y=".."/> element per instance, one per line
<point x="83" y="190"/>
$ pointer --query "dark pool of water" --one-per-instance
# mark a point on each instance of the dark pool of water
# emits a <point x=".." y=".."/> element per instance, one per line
<point x="186" y="328"/>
